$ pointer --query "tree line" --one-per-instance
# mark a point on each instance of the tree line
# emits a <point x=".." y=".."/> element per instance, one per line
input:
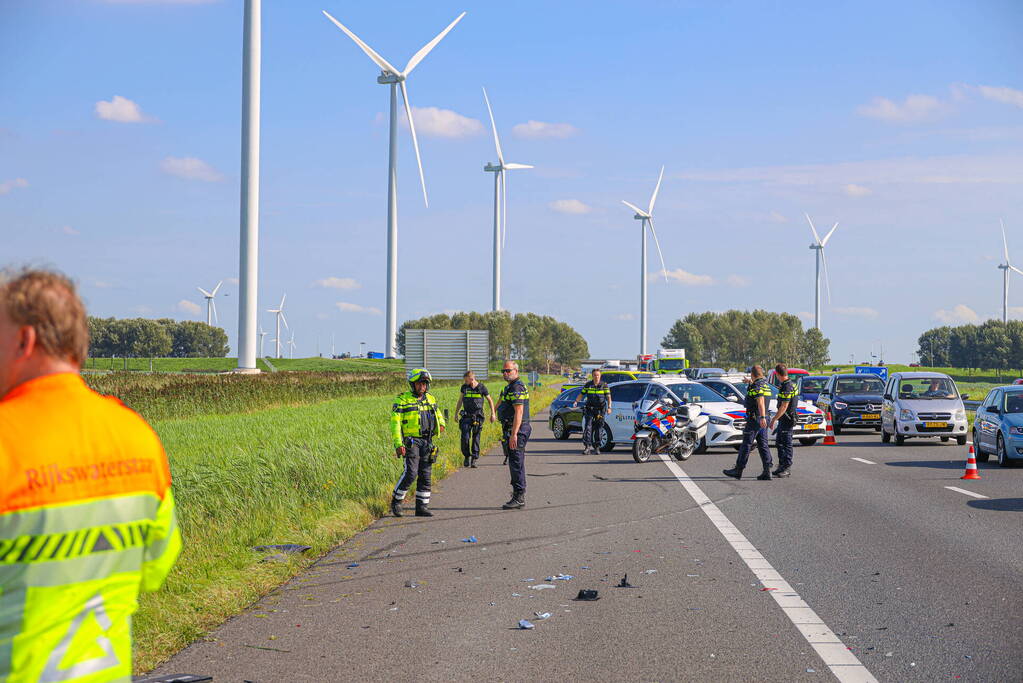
<point x="993" y="345"/>
<point x="161" y="338"/>
<point x="538" y="341"/>
<point x="742" y="338"/>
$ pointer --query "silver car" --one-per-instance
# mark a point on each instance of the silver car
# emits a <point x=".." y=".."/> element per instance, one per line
<point x="922" y="404"/>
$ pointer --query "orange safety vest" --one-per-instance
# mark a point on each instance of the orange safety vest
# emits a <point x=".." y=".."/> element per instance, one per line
<point x="86" y="522"/>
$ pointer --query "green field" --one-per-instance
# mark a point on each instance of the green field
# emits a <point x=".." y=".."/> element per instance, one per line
<point x="284" y="462"/>
<point x="228" y="364"/>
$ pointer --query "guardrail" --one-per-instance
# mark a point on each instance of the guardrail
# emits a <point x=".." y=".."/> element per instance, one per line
<point x="971" y="405"/>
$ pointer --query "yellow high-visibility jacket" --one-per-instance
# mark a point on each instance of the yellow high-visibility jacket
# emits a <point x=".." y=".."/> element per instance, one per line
<point x="407" y="416"/>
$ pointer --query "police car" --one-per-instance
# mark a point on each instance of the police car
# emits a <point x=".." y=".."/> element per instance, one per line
<point x="809" y="418"/>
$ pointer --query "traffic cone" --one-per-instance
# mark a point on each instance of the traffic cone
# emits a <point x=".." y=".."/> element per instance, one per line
<point x="971" y="467"/>
<point x="829" y="438"/>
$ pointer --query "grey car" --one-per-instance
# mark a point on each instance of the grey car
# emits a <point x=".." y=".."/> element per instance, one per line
<point x="922" y="405"/>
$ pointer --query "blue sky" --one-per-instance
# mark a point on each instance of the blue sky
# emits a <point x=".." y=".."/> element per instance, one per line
<point x="904" y="122"/>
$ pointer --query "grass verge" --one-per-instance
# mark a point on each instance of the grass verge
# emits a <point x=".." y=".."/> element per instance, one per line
<point x="312" y="474"/>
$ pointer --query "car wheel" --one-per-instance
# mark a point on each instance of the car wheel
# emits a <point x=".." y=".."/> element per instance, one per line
<point x="559" y="428"/>
<point x="899" y="439"/>
<point x="944" y="439"/>
<point x="702" y="446"/>
<point x="877" y="428"/>
<point x="606" y="443"/>
<point x="808" y="442"/>
<point x="961" y="440"/>
<point x="836" y="428"/>
<point x="885" y="436"/>
<point x="1003" y="458"/>
<point x="977" y="450"/>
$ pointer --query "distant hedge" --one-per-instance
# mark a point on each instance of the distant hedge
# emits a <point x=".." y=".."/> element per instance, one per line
<point x="162" y="338"/>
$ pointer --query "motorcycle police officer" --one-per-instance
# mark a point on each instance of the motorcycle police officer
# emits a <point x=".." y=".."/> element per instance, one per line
<point x="598" y="403"/>
<point x="757" y="396"/>
<point x="513" y="412"/>
<point x="415" y="420"/>
<point x="470" y="416"/>
<point x="785" y="419"/>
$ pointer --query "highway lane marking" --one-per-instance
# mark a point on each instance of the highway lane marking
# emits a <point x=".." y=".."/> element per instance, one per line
<point x="864" y="461"/>
<point x="964" y="491"/>
<point x="846" y="667"/>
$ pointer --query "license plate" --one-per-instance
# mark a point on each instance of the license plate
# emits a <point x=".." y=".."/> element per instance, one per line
<point x="813" y="425"/>
<point x="936" y="425"/>
<point x="870" y="416"/>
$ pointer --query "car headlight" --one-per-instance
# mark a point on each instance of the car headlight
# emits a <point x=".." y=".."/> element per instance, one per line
<point x="714" y="419"/>
<point x="960" y="415"/>
<point x="1016" y="430"/>
<point x="906" y="415"/>
<point x="840" y="405"/>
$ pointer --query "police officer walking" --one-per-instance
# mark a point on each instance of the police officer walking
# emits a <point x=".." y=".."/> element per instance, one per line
<point x="470" y="416"/>
<point x="597" y="399"/>
<point x="513" y="412"/>
<point x="784" y="419"/>
<point x="415" y="420"/>
<point x="757" y="395"/>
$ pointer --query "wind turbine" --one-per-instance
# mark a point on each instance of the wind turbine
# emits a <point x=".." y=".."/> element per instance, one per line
<point x="818" y="245"/>
<point x="500" y="202"/>
<point x="279" y="312"/>
<point x="211" y="308"/>
<point x="291" y="343"/>
<point x="396" y="78"/>
<point x="1006" y="267"/>
<point x="647" y="218"/>
<point x="262" y="335"/>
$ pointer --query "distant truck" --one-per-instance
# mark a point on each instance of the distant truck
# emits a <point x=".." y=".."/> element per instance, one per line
<point x="664" y="362"/>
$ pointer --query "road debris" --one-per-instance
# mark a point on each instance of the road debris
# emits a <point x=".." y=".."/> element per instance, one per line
<point x="624" y="583"/>
<point x="650" y="571"/>
<point x="525" y="625"/>
<point x="411" y="584"/>
<point x="353" y="565"/>
<point x="560" y="577"/>
<point x="587" y="595"/>
<point x="542" y="586"/>
<point x="542" y="615"/>
<point x="471" y="539"/>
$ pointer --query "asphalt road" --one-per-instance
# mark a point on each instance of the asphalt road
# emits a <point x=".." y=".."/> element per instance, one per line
<point x="879" y="572"/>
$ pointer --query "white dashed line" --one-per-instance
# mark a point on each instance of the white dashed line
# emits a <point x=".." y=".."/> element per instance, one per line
<point x="864" y="461"/>
<point x="842" y="662"/>
<point x="964" y="492"/>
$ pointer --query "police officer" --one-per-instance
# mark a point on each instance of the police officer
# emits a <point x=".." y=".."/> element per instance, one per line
<point x="415" y="420"/>
<point x="513" y="412"/>
<point x="784" y="419"/>
<point x="597" y="399"/>
<point x="757" y="395"/>
<point x="470" y="416"/>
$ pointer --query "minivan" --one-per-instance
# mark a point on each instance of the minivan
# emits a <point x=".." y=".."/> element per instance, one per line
<point x="922" y="404"/>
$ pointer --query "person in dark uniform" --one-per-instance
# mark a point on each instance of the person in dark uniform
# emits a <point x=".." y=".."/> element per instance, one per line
<point x="784" y="419"/>
<point x="597" y="399"/>
<point x="470" y="416"/>
<point x="757" y="396"/>
<point x="513" y="412"/>
<point x="415" y="420"/>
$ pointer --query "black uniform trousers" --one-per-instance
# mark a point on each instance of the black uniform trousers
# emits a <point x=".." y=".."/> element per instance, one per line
<point x="753" y="433"/>
<point x="593" y="421"/>
<point x="783" y="442"/>
<point x="418" y="469"/>
<point x="470" y="425"/>
<point x="516" y="457"/>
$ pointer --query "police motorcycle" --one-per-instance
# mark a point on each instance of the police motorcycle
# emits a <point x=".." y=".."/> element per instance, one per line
<point x="666" y="427"/>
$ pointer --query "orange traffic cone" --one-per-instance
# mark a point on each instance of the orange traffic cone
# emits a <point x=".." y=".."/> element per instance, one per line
<point x="971" y="467"/>
<point x="829" y="438"/>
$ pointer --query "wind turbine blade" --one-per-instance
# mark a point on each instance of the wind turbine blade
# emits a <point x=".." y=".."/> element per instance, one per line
<point x="816" y="237"/>
<point x="283" y="319"/>
<point x="204" y="292"/>
<point x="281" y="307"/>
<point x="415" y="140"/>
<point x="514" y="166"/>
<point x="1005" y="244"/>
<point x="635" y="208"/>
<point x="214" y="292"/>
<point x="493" y="125"/>
<point x="824" y="242"/>
<point x="213" y="305"/>
<point x="1015" y="269"/>
<point x="425" y="50"/>
<point x="504" y="209"/>
<point x="827" y="278"/>
<point x="657" y="188"/>
<point x="664" y="268"/>
<point x="370" y="52"/>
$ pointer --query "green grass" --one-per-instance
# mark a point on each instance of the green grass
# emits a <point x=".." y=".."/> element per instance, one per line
<point x="228" y="364"/>
<point x="311" y="474"/>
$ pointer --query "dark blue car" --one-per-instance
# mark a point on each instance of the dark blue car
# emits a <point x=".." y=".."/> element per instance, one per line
<point x="854" y="401"/>
<point x="998" y="425"/>
<point x="810" y="386"/>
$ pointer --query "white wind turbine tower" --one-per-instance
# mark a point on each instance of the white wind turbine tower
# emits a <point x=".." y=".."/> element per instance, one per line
<point x="279" y="312"/>
<point x="211" y="308"/>
<point x="291" y="344"/>
<point x="500" y="203"/>
<point x="1006" y="267"/>
<point x="396" y="78"/>
<point x="262" y="335"/>
<point x="818" y="245"/>
<point x="647" y="218"/>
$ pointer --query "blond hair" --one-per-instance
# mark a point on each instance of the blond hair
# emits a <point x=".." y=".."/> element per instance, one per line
<point x="48" y="302"/>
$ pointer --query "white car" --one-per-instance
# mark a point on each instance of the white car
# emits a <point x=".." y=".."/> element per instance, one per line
<point x="809" y="419"/>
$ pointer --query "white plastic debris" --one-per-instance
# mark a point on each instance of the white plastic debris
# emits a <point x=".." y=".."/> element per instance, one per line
<point x="541" y="586"/>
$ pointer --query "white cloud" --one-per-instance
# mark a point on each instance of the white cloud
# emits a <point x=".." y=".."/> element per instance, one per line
<point x="186" y="306"/>
<point x="571" y="206"/>
<point x="914" y="108"/>
<point x="853" y="190"/>
<point x="535" y="130"/>
<point x="444" y="123"/>
<point x="141" y="309"/>
<point x="1002" y="94"/>
<point x="684" y="277"/>
<point x="190" y="168"/>
<point x="960" y="313"/>
<point x="737" y="280"/>
<point x="346" y="307"/>
<point x="8" y="185"/>
<point x="232" y="280"/>
<point x="805" y="316"/>
<point x="625" y="316"/>
<point x="122" y="110"/>
<point x="338" y="283"/>
<point x="68" y="230"/>
<point x="102" y="284"/>
<point x="776" y="217"/>
<point x="856" y="311"/>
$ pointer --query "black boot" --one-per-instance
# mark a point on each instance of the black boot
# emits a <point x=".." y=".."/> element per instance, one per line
<point x="467" y="461"/>
<point x="395" y="507"/>
<point x="473" y="463"/>
<point x="423" y="509"/>
<point x="766" y="475"/>
<point x="782" y="471"/>
<point x="517" y="502"/>
<point x="735" y="473"/>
